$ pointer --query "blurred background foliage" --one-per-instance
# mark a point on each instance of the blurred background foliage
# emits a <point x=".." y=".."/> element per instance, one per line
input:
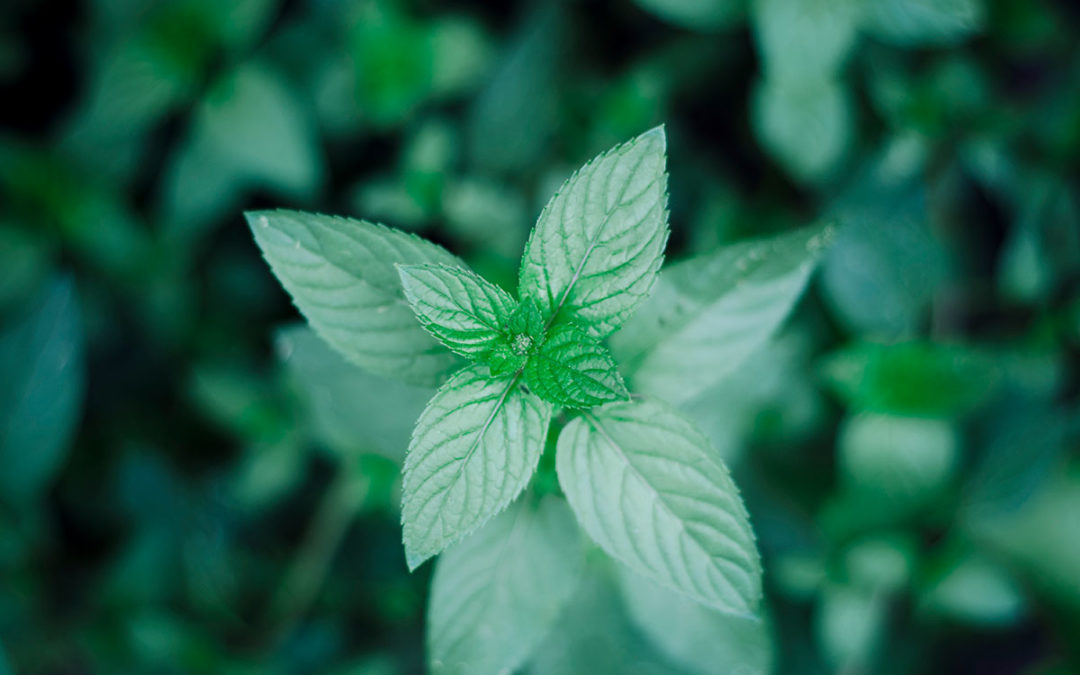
<point x="192" y="483"/>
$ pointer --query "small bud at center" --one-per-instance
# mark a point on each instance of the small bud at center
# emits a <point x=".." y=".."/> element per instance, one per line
<point x="522" y="343"/>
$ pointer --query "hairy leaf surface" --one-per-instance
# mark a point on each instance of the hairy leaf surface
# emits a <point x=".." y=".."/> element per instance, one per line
<point x="340" y="273"/>
<point x="599" y="242"/>
<point x="474" y="449"/>
<point x="459" y="308"/>
<point x="710" y="313"/>
<point x="496" y="594"/>
<point x="647" y="488"/>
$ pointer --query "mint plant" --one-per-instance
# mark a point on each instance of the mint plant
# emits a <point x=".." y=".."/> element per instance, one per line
<point x="637" y="475"/>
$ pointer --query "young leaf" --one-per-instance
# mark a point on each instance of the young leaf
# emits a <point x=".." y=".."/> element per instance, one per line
<point x="599" y="242"/>
<point x="710" y="313"/>
<point x="573" y="370"/>
<point x="41" y="391"/>
<point x="340" y="273"/>
<point x="702" y="640"/>
<point x="496" y="594"/>
<point x="647" y="488"/>
<point x="474" y="449"/>
<point x="461" y="309"/>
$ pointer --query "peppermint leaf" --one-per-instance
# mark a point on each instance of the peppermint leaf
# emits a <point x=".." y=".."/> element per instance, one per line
<point x="599" y="242"/>
<point x="458" y="307"/>
<point x="913" y="23"/>
<point x="647" y="488"/>
<point x="498" y="593"/>
<point x="710" y="313"/>
<point x="573" y="370"/>
<point x="340" y="273"/>
<point x="474" y="449"/>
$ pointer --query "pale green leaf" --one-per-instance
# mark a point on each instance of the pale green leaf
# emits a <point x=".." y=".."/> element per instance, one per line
<point x="648" y="489"/>
<point x="805" y="124"/>
<point x="340" y="273"/>
<point x="702" y="640"/>
<point x="574" y="370"/>
<point x="902" y="462"/>
<point x="710" y="313"/>
<point x="498" y="593"/>
<point x="350" y="410"/>
<point x="924" y="22"/>
<point x="461" y="309"/>
<point x="473" y="451"/>
<point x="599" y="242"/>
<point x="805" y="39"/>
<point x="41" y="391"/>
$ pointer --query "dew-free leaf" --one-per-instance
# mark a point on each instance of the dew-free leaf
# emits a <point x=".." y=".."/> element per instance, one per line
<point x="474" y="449"/>
<point x="340" y="273"/>
<point x="573" y="370"/>
<point x="646" y="486"/>
<point x="497" y="593"/>
<point x="459" y="308"/>
<point x="596" y="249"/>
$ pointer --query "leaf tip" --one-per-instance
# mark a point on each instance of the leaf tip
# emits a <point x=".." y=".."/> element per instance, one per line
<point x="657" y="134"/>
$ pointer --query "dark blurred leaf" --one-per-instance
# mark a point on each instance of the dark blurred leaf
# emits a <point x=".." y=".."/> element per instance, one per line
<point x="41" y="391"/>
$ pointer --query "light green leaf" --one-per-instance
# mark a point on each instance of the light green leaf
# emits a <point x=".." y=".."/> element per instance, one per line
<point x="41" y="391"/>
<point x="805" y="39"/>
<point x="924" y="22"/>
<point x="340" y="273"/>
<point x="805" y="124"/>
<point x="461" y="309"/>
<point x="710" y="313"/>
<point x="599" y="242"/>
<point x="474" y="449"/>
<point x="574" y="370"/>
<point x="350" y="409"/>
<point x="496" y="594"/>
<point x="646" y="487"/>
<point x="702" y="640"/>
<point x="702" y="15"/>
<point x="902" y="462"/>
<point x="849" y="625"/>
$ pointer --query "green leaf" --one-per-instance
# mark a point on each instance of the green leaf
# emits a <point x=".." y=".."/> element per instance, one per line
<point x="902" y="462"/>
<point x="41" y="391"/>
<point x="599" y="242"/>
<point x="702" y="640"/>
<point x="710" y="313"/>
<point x="804" y="124"/>
<point x="647" y="488"/>
<point x="805" y="39"/>
<point x="350" y="409"/>
<point x="924" y="22"/>
<point x="474" y="449"/>
<point x="340" y="273"/>
<point x="498" y="593"/>
<point x="461" y="309"/>
<point x="573" y="370"/>
<point x="912" y="378"/>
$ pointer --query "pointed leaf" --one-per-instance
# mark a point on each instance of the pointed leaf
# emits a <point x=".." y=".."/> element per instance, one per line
<point x="648" y="489"/>
<point x="708" y="314"/>
<point x="599" y="242"/>
<point x="574" y="370"/>
<point x="340" y="273"/>
<point x="496" y="594"/>
<point x="462" y="310"/>
<point x="41" y="391"/>
<point x="473" y="451"/>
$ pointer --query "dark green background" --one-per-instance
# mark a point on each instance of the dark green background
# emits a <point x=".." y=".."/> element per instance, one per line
<point x="184" y="489"/>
